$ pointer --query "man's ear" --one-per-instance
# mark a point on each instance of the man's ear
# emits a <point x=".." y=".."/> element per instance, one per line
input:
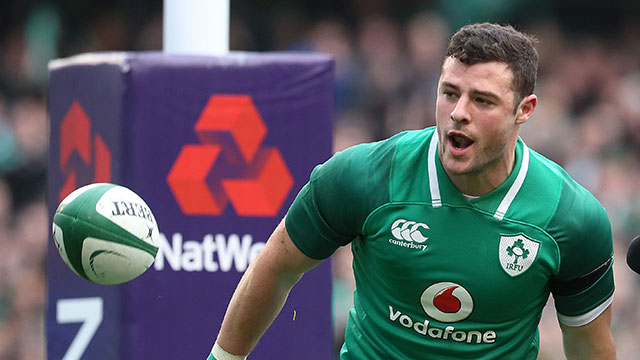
<point x="525" y="109"/>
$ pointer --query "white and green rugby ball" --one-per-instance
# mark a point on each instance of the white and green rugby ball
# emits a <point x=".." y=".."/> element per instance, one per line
<point x="106" y="233"/>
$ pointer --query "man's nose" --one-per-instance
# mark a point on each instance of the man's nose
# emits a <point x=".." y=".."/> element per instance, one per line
<point x="460" y="113"/>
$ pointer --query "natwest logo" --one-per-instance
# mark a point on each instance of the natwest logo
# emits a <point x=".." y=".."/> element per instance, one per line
<point x="229" y="164"/>
<point x="81" y="151"/>
<point x="215" y="253"/>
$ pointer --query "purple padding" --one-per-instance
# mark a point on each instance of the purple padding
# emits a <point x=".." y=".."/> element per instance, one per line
<point x="218" y="147"/>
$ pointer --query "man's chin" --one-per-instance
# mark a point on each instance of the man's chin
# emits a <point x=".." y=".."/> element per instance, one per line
<point x="456" y="167"/>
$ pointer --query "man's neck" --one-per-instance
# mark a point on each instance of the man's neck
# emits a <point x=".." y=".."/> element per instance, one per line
<point x="484" y="181"/>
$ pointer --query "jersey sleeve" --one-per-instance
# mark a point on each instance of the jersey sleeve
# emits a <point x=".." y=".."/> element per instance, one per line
<point x="330" y="209"/>
<point x="583" y="286"/>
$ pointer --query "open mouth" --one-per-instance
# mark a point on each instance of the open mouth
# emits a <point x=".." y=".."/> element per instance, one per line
<point x="460" y="141"/>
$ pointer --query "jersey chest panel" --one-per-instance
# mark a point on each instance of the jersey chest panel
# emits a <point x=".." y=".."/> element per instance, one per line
<point x="452" y="264"/>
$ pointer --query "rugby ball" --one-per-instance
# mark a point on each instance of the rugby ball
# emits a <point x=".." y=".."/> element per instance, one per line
<point x="105" y="233"/>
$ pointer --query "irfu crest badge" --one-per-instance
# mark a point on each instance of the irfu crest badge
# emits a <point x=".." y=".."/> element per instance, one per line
<point x="517" y="253"/>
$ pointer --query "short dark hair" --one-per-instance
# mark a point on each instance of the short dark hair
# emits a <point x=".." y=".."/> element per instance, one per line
<point x="486" y="42"/>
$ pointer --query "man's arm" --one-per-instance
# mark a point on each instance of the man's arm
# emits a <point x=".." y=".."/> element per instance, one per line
<point x="262" y="292"/>
<point x="590" y="341"/>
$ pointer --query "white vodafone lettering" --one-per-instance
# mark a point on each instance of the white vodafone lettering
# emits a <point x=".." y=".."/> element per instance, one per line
<point x="212" y="254"/>
<point x="448" y="333"/>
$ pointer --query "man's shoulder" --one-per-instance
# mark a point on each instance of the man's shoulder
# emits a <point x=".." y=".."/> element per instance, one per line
<point x="556" y="179"/>
<point x="373" y="155"/>
<point x="361" y="168"/>
<point x="403" y="138"/>
<point x="570" y="206"/>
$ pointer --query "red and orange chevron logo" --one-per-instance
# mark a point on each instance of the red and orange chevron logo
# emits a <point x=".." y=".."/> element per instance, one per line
<point x="75" y="138"/>
<point x="255" y="179"/>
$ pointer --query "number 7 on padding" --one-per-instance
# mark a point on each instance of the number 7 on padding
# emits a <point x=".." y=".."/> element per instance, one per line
<point x="87" y="311"/>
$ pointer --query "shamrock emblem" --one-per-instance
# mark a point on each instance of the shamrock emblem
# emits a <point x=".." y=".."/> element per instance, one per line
<point x="517" y="250"/>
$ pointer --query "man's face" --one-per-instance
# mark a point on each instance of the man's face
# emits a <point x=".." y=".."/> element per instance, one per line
<point x="475" y="117"/>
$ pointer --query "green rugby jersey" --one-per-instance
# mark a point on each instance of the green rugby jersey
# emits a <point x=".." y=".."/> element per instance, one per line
<point x="439" y="276"/>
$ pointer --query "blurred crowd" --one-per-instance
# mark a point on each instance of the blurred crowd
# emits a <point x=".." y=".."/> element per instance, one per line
<point x="387" y="65"/>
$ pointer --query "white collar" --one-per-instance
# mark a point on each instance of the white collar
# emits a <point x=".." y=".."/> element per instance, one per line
<point x="434" y="187"/>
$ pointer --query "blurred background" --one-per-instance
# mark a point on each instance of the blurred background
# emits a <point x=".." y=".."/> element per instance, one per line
<point x="388" y="56"/>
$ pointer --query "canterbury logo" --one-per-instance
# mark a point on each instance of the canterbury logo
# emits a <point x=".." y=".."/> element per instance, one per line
<point x="407" y="230"/>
